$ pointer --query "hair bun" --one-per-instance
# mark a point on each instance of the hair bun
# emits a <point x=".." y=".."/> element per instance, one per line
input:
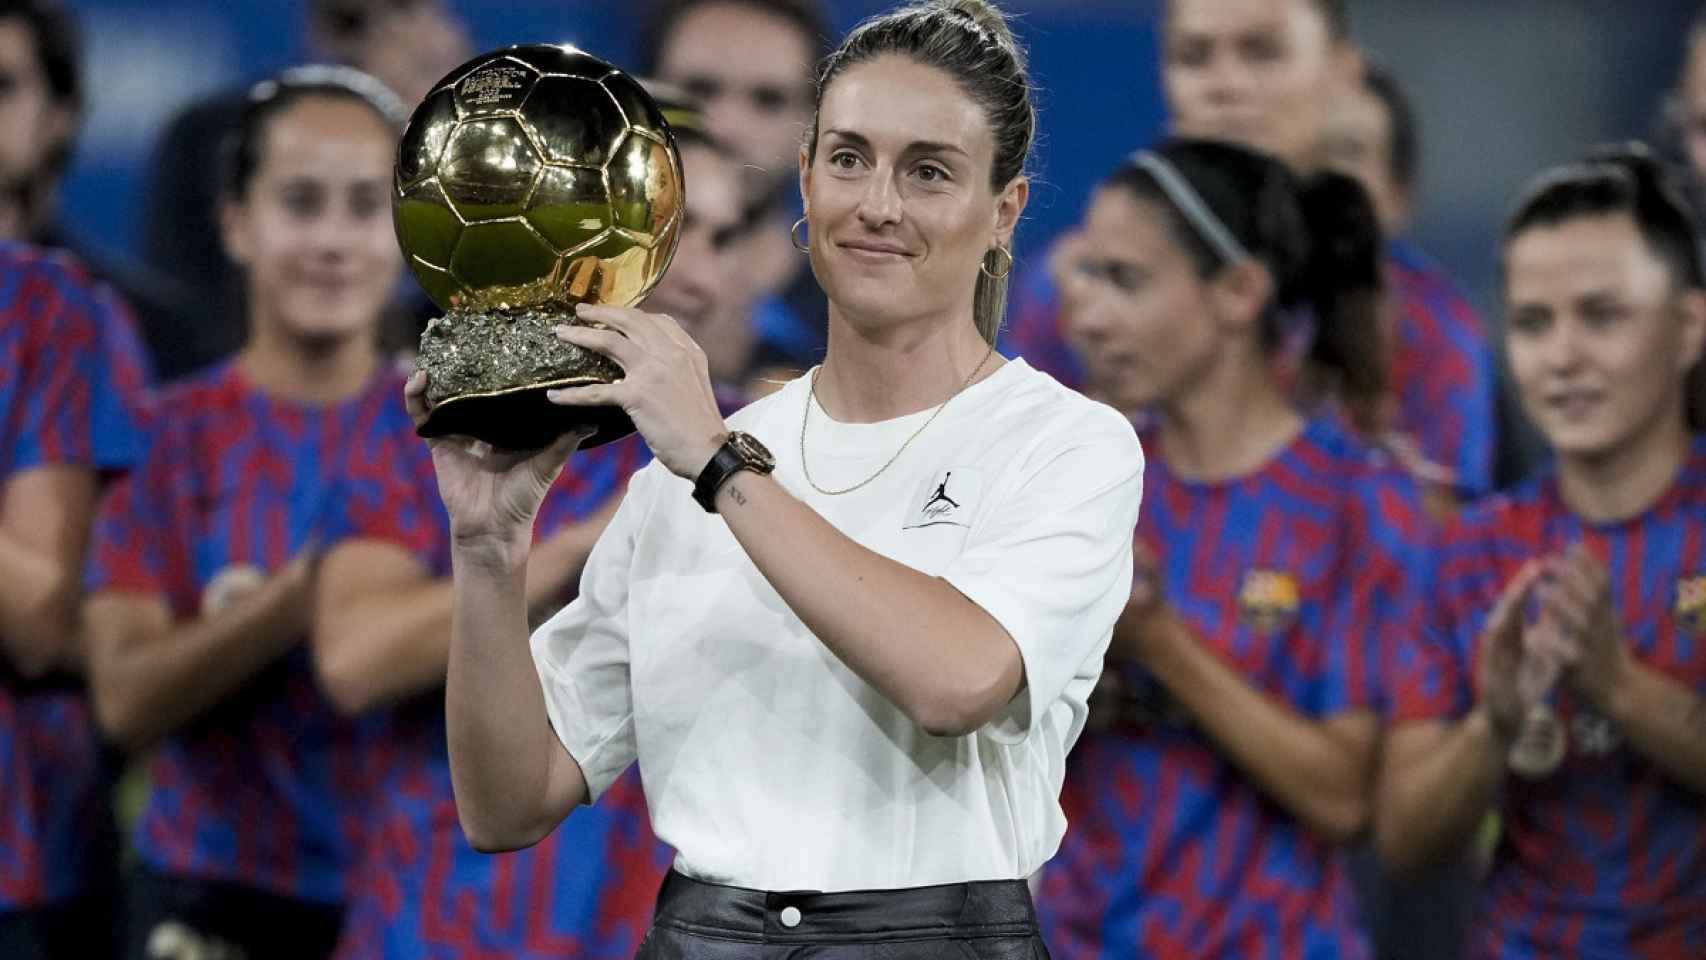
<point x="987" y="17"/>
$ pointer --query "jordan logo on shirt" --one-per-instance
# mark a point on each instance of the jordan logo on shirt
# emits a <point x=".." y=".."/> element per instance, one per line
<point x="947" y="496"/>
<point x="939" y="502"/>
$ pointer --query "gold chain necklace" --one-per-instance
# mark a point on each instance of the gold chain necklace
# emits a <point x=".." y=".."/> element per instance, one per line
<point x="812" y="398"/>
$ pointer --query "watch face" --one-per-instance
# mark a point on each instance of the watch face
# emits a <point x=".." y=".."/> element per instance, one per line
<point x="752" y="451"/>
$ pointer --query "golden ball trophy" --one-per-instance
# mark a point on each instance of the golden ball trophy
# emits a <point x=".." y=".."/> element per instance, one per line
<point x="531" y="180"/>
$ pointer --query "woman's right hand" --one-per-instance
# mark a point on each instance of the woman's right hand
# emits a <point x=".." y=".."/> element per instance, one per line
<point x="492" y="495"/>
<point x="1503" y="685"/>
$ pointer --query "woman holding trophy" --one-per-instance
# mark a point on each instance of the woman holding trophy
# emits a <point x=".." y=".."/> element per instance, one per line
<point x="849" y="635"/>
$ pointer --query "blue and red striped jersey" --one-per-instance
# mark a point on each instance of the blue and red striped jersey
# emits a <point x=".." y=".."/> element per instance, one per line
<point x="1605" y="857"/>
<point x="266" y="789"/>
<point x="71" y="380"/>
<point x="1299" y="575"/>
<point x="1442" y="369"/>
<point x="585" y="891"/>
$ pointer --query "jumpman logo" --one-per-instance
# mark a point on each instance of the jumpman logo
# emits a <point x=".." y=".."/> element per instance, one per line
<point x="941" y="495"/>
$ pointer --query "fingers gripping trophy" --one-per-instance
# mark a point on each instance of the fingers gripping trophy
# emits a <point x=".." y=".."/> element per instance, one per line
<point x="531" y="182"/>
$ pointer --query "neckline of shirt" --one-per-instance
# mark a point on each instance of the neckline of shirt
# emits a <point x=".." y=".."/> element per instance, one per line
<point x="1675" y="493"/>
<point x="383" y="372"/>
<point x="1316" y="431"/>
<point x="828" y="437"/>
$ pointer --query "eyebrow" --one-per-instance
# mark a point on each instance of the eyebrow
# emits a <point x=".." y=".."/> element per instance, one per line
<point x="916" y="146"/>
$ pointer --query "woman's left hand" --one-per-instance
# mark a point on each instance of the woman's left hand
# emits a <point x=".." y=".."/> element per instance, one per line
<point x="665" y="388"/>
<point x="1588" y="640"/>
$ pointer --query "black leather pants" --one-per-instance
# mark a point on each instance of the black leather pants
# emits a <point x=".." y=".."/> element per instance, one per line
<point x="991" y="920"/>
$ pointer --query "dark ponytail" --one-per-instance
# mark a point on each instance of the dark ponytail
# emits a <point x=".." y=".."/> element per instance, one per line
<point x="1342" y="281"/>
<point x="1319" y="239"/>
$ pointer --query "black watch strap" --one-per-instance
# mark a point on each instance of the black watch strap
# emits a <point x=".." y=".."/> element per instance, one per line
<point x="738" y="452"/>
<point x="725" y="463"/>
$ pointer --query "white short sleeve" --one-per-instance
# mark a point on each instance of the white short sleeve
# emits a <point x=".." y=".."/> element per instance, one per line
<point x="1051" y="562"/>
<point x="582" y="653"/>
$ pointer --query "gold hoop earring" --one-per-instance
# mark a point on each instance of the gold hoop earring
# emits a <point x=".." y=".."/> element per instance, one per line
<point x="983" y="265"/>
<point x="794" y="235"/>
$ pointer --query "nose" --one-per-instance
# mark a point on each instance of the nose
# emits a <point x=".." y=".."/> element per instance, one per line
<point x="1085" y="317"/>
<point x="725" y="118"/>
<point x="879" y="205"/>
<point x="332" y="234"/>
<point x="1563" y="348"/>
<point x="698" y="269"/>
<point x="1225" y="80"/>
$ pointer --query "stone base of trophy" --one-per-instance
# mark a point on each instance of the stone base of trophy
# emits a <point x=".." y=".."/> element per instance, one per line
<point x="487" y="373"/>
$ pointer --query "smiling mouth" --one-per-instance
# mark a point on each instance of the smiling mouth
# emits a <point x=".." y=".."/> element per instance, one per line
<point x="874" y="252"/>
<point x="1573" y="405"/>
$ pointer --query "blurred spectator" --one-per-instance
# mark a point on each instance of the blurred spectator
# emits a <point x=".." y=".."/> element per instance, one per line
<point x="383" y="632"/>
<point x="1209" y="808"/>
<point x="750" y="66"/>
<point x="1563" y="679"/>
<point x="70" y="375"/>
<point x="381" y="644"/>
<point x="1371" y="134"/>
<point x="704" y="289"/>
<point x="1268" y="73"/>
<point x="1258" y="72"/>
<point x="407" y="44"/>
<point x="205" y="557"/>
<point x="1681" y="127"/>
<point x="41" y="110"/>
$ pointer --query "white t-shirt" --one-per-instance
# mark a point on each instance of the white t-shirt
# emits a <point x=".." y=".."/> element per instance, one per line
<point x="767" y="762"/>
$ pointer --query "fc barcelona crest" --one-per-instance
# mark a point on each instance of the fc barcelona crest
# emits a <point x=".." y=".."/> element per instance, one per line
<point x="1691" y="604"/>
<point x="1267" y="601"/>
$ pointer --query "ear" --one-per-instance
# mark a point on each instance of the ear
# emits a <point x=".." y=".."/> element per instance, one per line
<point x="1009" y="207"/>
<point x="1240" y="293"/>
<point x="805" y="180"/>
<point x="234" y="230"/>
<point x="59" y="124"/>
<point x="1349" y="64"/>
<point x="1693" y="333"/>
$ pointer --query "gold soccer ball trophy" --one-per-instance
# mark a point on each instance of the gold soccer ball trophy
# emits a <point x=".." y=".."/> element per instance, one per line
<point x="530" y="180"/>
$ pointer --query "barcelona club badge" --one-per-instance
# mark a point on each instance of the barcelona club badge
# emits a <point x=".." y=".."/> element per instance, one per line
<point x="1691" y="604"/>
<point x="1267" y="601"/>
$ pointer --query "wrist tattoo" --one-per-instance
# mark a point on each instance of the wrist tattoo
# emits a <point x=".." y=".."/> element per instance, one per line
<point x="735" y="495"/>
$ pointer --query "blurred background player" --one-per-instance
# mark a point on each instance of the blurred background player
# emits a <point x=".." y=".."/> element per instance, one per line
<point x="1371" y="134"/>
<point x="1681" y="124"/>
<point x="1268" y="73"/>
<point x="1597" y="569"/>
<point x="382" y="640"/>
<point x="705" y="289"/>
<point x="405" y="44"/>
<point x="382" y="624"/>
<point x="204" y="561"/>
<point x="749" y="65"/>
<point x="41" y="111"/>
<point x="70" y="375"/>
<point x="1277" y="556"/>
